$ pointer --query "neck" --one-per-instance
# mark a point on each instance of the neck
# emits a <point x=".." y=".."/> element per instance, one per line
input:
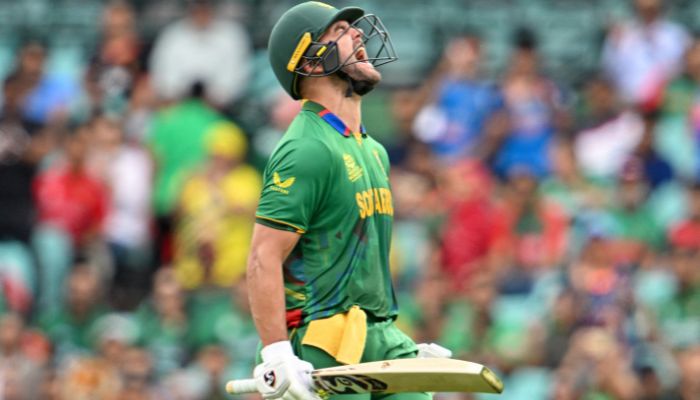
<point x="330" y="92"/>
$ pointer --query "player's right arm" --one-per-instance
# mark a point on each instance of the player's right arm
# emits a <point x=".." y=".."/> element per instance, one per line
<point x="269" y="248"/>
<point x="295" y="178"/>
<point x="282" y="374"/>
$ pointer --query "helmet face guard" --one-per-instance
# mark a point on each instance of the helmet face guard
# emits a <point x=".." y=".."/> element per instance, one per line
<point x="378" y="50"/>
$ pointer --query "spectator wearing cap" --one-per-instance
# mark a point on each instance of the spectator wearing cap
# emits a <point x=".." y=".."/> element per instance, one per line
<point x="202" y="49"/>
<point x="216" y="213"/>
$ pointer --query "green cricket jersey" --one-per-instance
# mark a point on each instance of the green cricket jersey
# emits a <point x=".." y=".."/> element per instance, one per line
<point x="331" y="186"/>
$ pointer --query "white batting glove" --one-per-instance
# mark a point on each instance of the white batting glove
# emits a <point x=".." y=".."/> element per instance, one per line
<point x="432" y="350"/>
<point x="283" y="375"/>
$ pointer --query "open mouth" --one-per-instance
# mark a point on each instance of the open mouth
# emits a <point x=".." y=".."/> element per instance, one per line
<point x="361" y="55"/>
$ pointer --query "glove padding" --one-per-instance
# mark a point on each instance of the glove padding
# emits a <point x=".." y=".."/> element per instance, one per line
<point x="282" y="375"/>
<point x="432" y="350"/>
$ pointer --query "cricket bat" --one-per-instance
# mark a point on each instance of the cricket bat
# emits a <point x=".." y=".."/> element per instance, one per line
<point x="393" y="376"/>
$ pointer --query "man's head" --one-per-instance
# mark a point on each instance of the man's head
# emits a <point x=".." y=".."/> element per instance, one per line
<point x="314" y="39"/>
<point x="648" y="10"/>
<point x="462" y="55"/>
<point x="200" y="13"/>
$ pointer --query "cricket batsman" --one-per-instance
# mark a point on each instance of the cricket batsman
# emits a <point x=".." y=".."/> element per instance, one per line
<point x="318" y="272"/>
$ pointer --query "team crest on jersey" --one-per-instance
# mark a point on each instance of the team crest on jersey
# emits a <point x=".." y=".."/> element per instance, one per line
<point x="354" y="170"/>
<point x="281" y="185"/>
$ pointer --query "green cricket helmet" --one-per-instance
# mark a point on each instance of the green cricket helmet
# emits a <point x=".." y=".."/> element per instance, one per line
<point x="294" y="42"/>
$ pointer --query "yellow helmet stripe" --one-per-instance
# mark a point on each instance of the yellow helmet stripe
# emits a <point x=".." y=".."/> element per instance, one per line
<point x="303" y="44"/>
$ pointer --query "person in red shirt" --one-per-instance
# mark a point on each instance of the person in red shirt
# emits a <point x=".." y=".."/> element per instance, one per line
<point x="529" y="233"/>
<point x="68" y="198"/>
<point x="466" y="235"/>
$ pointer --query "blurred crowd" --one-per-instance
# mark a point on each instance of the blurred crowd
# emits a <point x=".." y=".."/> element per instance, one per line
<point x="548" y="229"/>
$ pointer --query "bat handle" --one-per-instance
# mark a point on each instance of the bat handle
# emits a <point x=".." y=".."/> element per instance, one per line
<point x="241" y="386"/>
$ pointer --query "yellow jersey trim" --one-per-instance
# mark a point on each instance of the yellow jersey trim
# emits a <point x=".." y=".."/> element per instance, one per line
<point x="299" y="230"/>
<point x="296" y="295"/>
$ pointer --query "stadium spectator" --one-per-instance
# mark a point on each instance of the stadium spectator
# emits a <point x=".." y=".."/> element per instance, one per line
<point x="176" y="140"/>
<point x="71" y="208"/>
<point x="45" y="97"/>
<point x="568" y="187"/>
<point x="640" y="55"/>
<point x="22" y="148"/>
<point x="202" y="49"/>
<point x="222" y="318"/>
<point x="595" y="365"/>
<point x="680" y="117"/>
<point x="463" y="105"/>
<point x="68" y="197"/>
<point x="136" y="370"/>
<point x="125" y="170"/>
<point x="637" y="232"/>
<point x="608" y="133"/>
<point x="102" y="374"/>
<point x="468" y="319"/>
<point x="216" y="213"/>
<point x="18" y="372"/>
<point x="529" y="234"/>
<point x="467" y="233"/>
<point x="534" y="108"/>
<point x="655" y="168"/>
<point x="72" y="326"/>
<point x="163" y="322"/>
<point x="117" y="66"/>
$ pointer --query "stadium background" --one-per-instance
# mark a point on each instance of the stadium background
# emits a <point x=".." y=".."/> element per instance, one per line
<point x="544" y="172"/>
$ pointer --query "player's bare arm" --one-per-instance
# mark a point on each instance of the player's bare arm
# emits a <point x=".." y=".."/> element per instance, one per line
<point x="269" y="248"/>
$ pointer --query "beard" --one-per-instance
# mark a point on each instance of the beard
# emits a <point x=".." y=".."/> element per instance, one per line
<point x="362" y="78"/>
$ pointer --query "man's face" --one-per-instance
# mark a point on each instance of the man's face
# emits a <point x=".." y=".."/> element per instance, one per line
<point x="648" y="10"/>
<point x="352" y="51"/>
<point x="201" y="14"/>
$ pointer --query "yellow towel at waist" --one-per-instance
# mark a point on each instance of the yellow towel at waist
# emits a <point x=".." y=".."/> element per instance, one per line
<point x="342" y="335"/>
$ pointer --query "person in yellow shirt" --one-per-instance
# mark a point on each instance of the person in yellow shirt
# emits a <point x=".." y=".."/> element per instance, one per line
<point x="216" y="213"/>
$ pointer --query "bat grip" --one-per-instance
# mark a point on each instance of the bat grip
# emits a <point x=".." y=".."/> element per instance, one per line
<point x="241" y="386"/>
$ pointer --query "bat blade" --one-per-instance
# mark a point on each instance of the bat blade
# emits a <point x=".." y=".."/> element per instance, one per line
<point x="408" y="375"/>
